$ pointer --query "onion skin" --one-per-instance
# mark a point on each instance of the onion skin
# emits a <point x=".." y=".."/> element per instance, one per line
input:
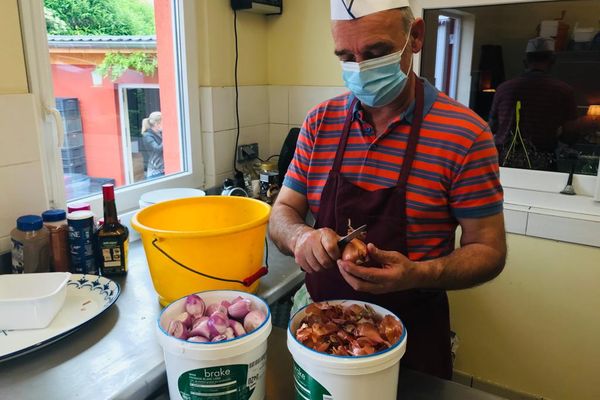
<point x="356" y="252"/>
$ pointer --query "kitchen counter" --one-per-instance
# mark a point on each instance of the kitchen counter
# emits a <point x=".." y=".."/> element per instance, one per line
<point x="117" y="354"/>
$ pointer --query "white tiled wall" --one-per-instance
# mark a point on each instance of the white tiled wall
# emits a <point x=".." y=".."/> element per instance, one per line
<point x="219" y="126"/>
<point x="267" y="113"/>
<point x="289" y="105"/>
<point x="21" y="175"/>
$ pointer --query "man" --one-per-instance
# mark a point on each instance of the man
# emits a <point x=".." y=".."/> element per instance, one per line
<point x="548" y="108"/>
<point x="409" y="162"/>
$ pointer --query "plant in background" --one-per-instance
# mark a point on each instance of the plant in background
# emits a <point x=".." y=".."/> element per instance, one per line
<point x="106" y="18"/>
<point x="99" y="17"/>
<point x="54" y="23"/>
<point x="114" y="64"/>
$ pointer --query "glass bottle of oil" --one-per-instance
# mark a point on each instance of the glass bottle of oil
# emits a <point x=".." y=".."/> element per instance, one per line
<point x="112" y="241"/>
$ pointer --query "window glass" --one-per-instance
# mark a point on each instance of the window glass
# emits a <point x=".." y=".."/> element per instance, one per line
<point x="115" y="85"/>
<point x="534" y="79"/>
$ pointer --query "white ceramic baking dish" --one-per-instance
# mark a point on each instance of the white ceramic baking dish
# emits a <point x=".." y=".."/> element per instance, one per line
<point x="31" y="301"/>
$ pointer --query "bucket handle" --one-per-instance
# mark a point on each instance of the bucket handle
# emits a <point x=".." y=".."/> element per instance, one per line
<point x="262" y="271"/>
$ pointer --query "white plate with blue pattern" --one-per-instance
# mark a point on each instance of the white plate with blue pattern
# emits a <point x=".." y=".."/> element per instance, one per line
<point x="88" y="296"/>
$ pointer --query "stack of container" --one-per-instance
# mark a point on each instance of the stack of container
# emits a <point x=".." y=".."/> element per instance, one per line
<point x="73" y="154"/>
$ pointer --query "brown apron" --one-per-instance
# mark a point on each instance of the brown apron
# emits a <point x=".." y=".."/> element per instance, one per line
<point x="424" y="312"/>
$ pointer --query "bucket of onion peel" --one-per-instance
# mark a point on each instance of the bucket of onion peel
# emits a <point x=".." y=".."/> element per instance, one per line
<point x="344" y="349"/>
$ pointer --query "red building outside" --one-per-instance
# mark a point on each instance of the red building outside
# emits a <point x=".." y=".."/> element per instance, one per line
<point x="111" y="111"/>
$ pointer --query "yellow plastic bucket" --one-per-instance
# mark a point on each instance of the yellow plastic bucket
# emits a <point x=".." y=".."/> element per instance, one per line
<point x="203" y="243"/>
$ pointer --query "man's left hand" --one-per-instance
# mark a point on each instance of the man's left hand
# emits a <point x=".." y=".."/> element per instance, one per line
<point x="396" y="273"/>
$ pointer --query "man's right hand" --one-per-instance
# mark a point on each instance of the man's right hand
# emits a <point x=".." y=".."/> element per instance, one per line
<point x="317" y="249"/>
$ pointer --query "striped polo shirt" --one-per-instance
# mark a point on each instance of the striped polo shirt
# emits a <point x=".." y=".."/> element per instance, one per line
<point x="455" y="173"/>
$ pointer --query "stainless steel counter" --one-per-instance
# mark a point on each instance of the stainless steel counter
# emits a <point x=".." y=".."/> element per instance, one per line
<point x="116" y="356"/>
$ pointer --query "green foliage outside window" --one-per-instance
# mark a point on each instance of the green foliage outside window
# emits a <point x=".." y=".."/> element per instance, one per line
<point x="106" y="18"/>
<point x="114" y="65"/>
<point x="99" y="17"/>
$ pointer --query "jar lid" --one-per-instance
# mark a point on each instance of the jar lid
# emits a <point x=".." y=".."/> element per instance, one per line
<point x="54" y="215"/>
<point x="78" y="207"/>
<point x="78" y="215"/>
<point x="268" y="166"/>
<point x="28" y="223"/>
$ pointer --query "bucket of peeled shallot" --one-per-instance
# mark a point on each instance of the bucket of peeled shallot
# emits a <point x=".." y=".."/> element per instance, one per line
<point x="343" y="349"/>
<point x="215" y="345"/>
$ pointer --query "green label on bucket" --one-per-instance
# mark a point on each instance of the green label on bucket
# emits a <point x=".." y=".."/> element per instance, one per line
<point x="228" y="382"/>
<point x="307" y="388"/>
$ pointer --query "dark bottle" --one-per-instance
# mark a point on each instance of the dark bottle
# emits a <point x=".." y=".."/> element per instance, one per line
<point x="112" y="238"/>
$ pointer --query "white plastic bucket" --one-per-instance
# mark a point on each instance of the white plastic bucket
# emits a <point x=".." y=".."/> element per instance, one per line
<point x="160" y="195"/>
<point x="320" y="376"/>
<point x="234" y="369"/>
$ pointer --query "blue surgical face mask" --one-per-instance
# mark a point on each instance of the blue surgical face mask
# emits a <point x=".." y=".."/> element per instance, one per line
<point x="376" y="82"/>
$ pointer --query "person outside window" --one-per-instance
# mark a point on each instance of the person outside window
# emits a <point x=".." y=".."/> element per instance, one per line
<point x="152" y="142"/>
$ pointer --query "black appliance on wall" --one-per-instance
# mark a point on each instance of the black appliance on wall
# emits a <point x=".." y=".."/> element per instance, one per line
<point x="268" y="7"/>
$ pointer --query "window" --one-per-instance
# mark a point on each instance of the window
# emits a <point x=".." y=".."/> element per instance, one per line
<point x="492" y="53"/>
<point x="124" y="87"/>
<point x="136" y="103"/>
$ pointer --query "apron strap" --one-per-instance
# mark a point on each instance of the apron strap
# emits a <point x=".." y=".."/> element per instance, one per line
<point x="339" y="155"/>
<point x="413" y="139"/>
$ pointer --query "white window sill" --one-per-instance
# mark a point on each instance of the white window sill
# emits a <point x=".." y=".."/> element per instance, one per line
<point x="573" y="219"/>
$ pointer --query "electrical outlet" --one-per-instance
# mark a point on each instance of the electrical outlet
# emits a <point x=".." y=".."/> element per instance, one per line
<point x="247" y="152"/>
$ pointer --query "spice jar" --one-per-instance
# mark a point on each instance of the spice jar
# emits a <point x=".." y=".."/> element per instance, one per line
<point x="269" y="182"/>
<point x="56" y="223"/>
<point x="30" y="245"/>
<point x="81" y="242"/>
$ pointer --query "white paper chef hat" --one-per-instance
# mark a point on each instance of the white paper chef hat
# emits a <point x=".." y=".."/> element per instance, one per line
<point x="540" y="45"/>
<point x="352" y="9"/>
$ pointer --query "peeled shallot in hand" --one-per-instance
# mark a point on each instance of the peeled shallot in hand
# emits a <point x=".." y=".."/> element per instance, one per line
<point x="356" y="252"/>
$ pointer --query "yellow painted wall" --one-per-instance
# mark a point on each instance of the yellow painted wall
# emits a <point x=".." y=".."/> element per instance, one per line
<point x="301" y="47"/>
<point x="217" y="50"/>
<point x="536" y="328"/>
<point x="13" y="76"/>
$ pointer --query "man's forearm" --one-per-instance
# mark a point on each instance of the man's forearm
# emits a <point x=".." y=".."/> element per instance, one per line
<point x="285" y="227"/>
<point x="468" y="266"/>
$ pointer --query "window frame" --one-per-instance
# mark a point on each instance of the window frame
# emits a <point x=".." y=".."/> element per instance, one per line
<point x="41" y="86"/>
<point x="537" y="181"/>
